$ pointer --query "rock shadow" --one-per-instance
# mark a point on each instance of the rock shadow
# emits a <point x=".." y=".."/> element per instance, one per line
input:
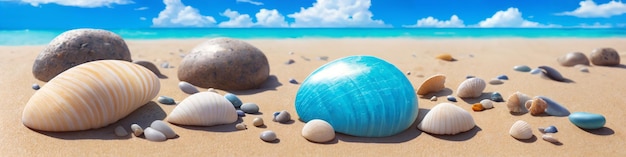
<point x="604" y="131"/>
<point x="270" y="84"/>
<point x="217" y="128"/>
<point x="143" y="116"/>
<point x="530" y="140"/>
<point x="442" y="93"/>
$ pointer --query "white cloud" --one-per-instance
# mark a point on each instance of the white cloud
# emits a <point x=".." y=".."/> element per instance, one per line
<point x="589" y="9"/>
<point x="433" y="22"/>
<point x="250" y="1"/>
<point x="142" y="18"/>
<point x="512" y="17"/>
<point x="79" y="3"/>
<point x="141" y="8"/>
<point x="596" y="25"/>
<point x="176" y="14"/>
<point x="236" y="19"/>
<point x="336" y="13"/>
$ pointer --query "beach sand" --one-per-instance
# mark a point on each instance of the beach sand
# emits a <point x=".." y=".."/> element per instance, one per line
<point x="599" y="91"/>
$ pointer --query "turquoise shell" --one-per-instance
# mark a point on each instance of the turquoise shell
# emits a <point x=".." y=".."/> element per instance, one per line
<point x="360" y="96"/>
<point x="587" y="120"/>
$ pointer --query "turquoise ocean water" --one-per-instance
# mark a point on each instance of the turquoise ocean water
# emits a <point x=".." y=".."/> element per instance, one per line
<point x="41" y="37"/>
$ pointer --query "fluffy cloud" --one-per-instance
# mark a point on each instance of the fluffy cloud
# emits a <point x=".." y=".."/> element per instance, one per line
<point x="142" y="18"/>
<point x="265" y="18"/>
<point x="250" y="1"/>
<point x="176" y="14"/>
<point x="433" y="22"/>
<point x="589" y="9"/>
<point x="336" y="13"/>
<point x="596" y="25"/>
<point x="79" y="3"/>
<point x="512" y="17"/>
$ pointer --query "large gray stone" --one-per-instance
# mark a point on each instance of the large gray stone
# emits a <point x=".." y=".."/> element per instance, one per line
<point x="78" y="46"/>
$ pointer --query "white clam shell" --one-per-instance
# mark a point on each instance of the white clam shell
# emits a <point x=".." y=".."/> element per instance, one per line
<point x="317" y="130"/>
<point x="90" y="95"/>
<point x="521" y="130"/>
<point x="517" y="102"/>
<point x="163" y="128"/>
<point x="487" y="103"/>
<point x="154" y="135"/>
<point x="447" y="119"/>
<point x="203" y="109"/>
<point x="187" y="87"/>
<point x="471" y="88"/>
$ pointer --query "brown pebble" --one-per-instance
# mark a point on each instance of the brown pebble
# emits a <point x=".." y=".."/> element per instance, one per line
<point x="605" y="57"/>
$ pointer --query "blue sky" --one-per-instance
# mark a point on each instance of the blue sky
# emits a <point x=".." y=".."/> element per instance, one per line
<point x="67" y="14"/>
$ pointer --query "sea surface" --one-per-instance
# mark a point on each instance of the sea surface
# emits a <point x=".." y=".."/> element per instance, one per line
<point x="44" y="36"/>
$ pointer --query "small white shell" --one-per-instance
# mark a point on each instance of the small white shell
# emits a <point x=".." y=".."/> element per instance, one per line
<point x="187" y="87"/>
<point x="137" y="130"/>
<point x="317" y="130"/>
<point x="471" y="88"/>
<point x="521" y="130"/>
<point x="154" y="135"/>
<point x="163" y="128"/>
<point x="203" y="109"/>
<point x="447" y="118"/>
<point x="516" y="102"/>
<point x="486" y="103"/>
<point x="120" y="131"/>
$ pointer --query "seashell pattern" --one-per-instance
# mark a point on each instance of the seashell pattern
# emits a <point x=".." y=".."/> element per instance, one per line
<point x="446" y="119"/>
<point x="384" y="104"/>
<point x="203" y="109"/>
<point x="516" y="102"/>
<point x="521" y="130"/>
<point x="90" y="95"/>
<point x="434" y="83"/>
<point x="471" y="88"/>
<point x="317" y="130"/>
<point x="538" y="106"/>
<point x="573" y="58"/>
<point x="497" y="97"/>
<point x="553" y="108"/>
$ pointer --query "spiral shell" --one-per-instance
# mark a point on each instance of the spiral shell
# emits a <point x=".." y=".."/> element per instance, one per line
<point x="447" y="118"/>
<point x="203" y="109"/>
<point x="521" y="130"/>
<point x="90" y="95"/>
<point x="471" y="88"/>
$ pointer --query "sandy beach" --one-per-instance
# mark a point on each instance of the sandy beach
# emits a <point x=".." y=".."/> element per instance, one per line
<point x="598" y="91"/>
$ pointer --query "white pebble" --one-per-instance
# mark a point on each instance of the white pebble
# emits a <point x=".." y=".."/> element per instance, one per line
<point x="154" y="135"/>
<point x="434" y="98"/>
<point x="187" y="87"/>
<point x="162" y="127"/>
<point x="120" y="131"/>
<point x="258" y="121"/>
<point x="268" y="136"/>
<point x="550" y="138"/>
<point x="137" y="130"/>
<point x="241" y="126"/>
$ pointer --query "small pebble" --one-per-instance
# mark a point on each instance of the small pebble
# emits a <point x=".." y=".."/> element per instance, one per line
<point x="212" y="90"/>
<point x="487" y="104"/>
<point x="165" y="65"/>
<point x="469" y="77"/>
<point x="290" y="61"/>
<point x="451" y="98"/>
<point x="497" y="97"/>
<point x="258" y="121"/>
<point x="324" y="58"/>
<point x="582" y="68"/>
<point x="282" y="117"/>
<point x="187" y="87"/>
<point x="495" y="82"/>
<point x="233" y="99"/>
<point x="550" y="138"/>
<point x="240" y="113"/>
<point x="434" y="98"/>
<point x="291" y="53"/>
<point x="120" y="131"/>
<point x="251" y="108"/>
<point x="502" y="77"/>
<point x="408" y="73"/>
<point x="162" y="127"/>
<point x="550" y="129"/>
<point x="241" y="126"/>
<point x="137" y="130"/>
<point x="536" y="71"/>
<point x="166" y="100"/>
<point x="35" y="86"/>
<point x="293" y="81"/>
<point x="268" y="136"/>
<point x="154" y="135"/>
<point x="522" y="68"/>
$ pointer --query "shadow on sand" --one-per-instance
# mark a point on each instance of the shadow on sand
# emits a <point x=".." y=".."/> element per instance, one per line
<point x="270" y="84"/>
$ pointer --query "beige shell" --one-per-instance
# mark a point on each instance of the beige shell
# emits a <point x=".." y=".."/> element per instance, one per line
<point x="318" y="130"/>
<point x="538" y="106"/>
<point x="203" y="109"/>
<point x="516" y="102"/>
<point x="434" y="83"/>
<point x="471" y="88"/>
<point x="446" y="119"/>
<point x="90" y="95"/>
<point x="521" y="130"/>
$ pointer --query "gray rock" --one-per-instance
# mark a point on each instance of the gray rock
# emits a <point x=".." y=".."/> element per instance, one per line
<point x="282" y="116"/>
<point x="251" y="108"/>
<point x="268" y="136"/>
<point x="78" y="46"/>
<point x="605" y="57"/>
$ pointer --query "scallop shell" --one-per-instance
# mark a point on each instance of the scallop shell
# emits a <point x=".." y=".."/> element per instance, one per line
<point x="90" y="95"/>
<point x="447" y="118"/>
<point x="538" y="106"/>
<point x="203" y="109"/>
<point x="317" y="130"/>
<point x="516" y="102"/>
<point x="521" y="130"/>
<point x="573" y="58"/>
<point x="471" y="88"/>
<point x="434" y="83"/>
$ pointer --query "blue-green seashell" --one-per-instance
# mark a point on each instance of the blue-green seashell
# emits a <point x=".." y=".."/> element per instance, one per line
<point x="233" y="99"/>
<point x="587" y="120"/>
<point x="359" y="95"/>
<point x="522" y="68"/>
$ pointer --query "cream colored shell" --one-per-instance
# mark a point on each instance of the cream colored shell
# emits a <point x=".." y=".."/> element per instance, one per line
<point x="203" y="109"/>
<point x="447" y="119"/>
<point x="521" y="130"/>
<point x="317" y="130"/>
<point x="471" y="88"/>
<point x="517" y="102"/>
<point x="434" y="83"/>
<point x="90" y="95"/>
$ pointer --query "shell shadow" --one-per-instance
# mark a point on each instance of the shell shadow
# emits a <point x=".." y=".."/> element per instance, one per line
<point x="477" y="100"/>
<point x="217" y="128"/>
<point x="410" y="133"/>
<point x="270" y="84"/>
<point x="530" y="140"/>
<point x="604" y="131"/>
<point x="143" y="116"/>
<point x="442" y="93"/>
<point x="161" y="76"/>
<point x="464" y="136"/>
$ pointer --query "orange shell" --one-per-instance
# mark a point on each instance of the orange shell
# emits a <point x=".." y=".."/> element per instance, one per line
<point x="478" y="107"/>
<point x="445" y="57"/>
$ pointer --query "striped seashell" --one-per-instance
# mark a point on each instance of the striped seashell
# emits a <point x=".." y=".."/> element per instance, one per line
<point x="447" y="119"/>
<point x="471" y="88"/>
<point x="90" y="95"/>
<point x="203" y="109"/>
<point x="517" y="102"/>
<point x="521" y="130"/>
